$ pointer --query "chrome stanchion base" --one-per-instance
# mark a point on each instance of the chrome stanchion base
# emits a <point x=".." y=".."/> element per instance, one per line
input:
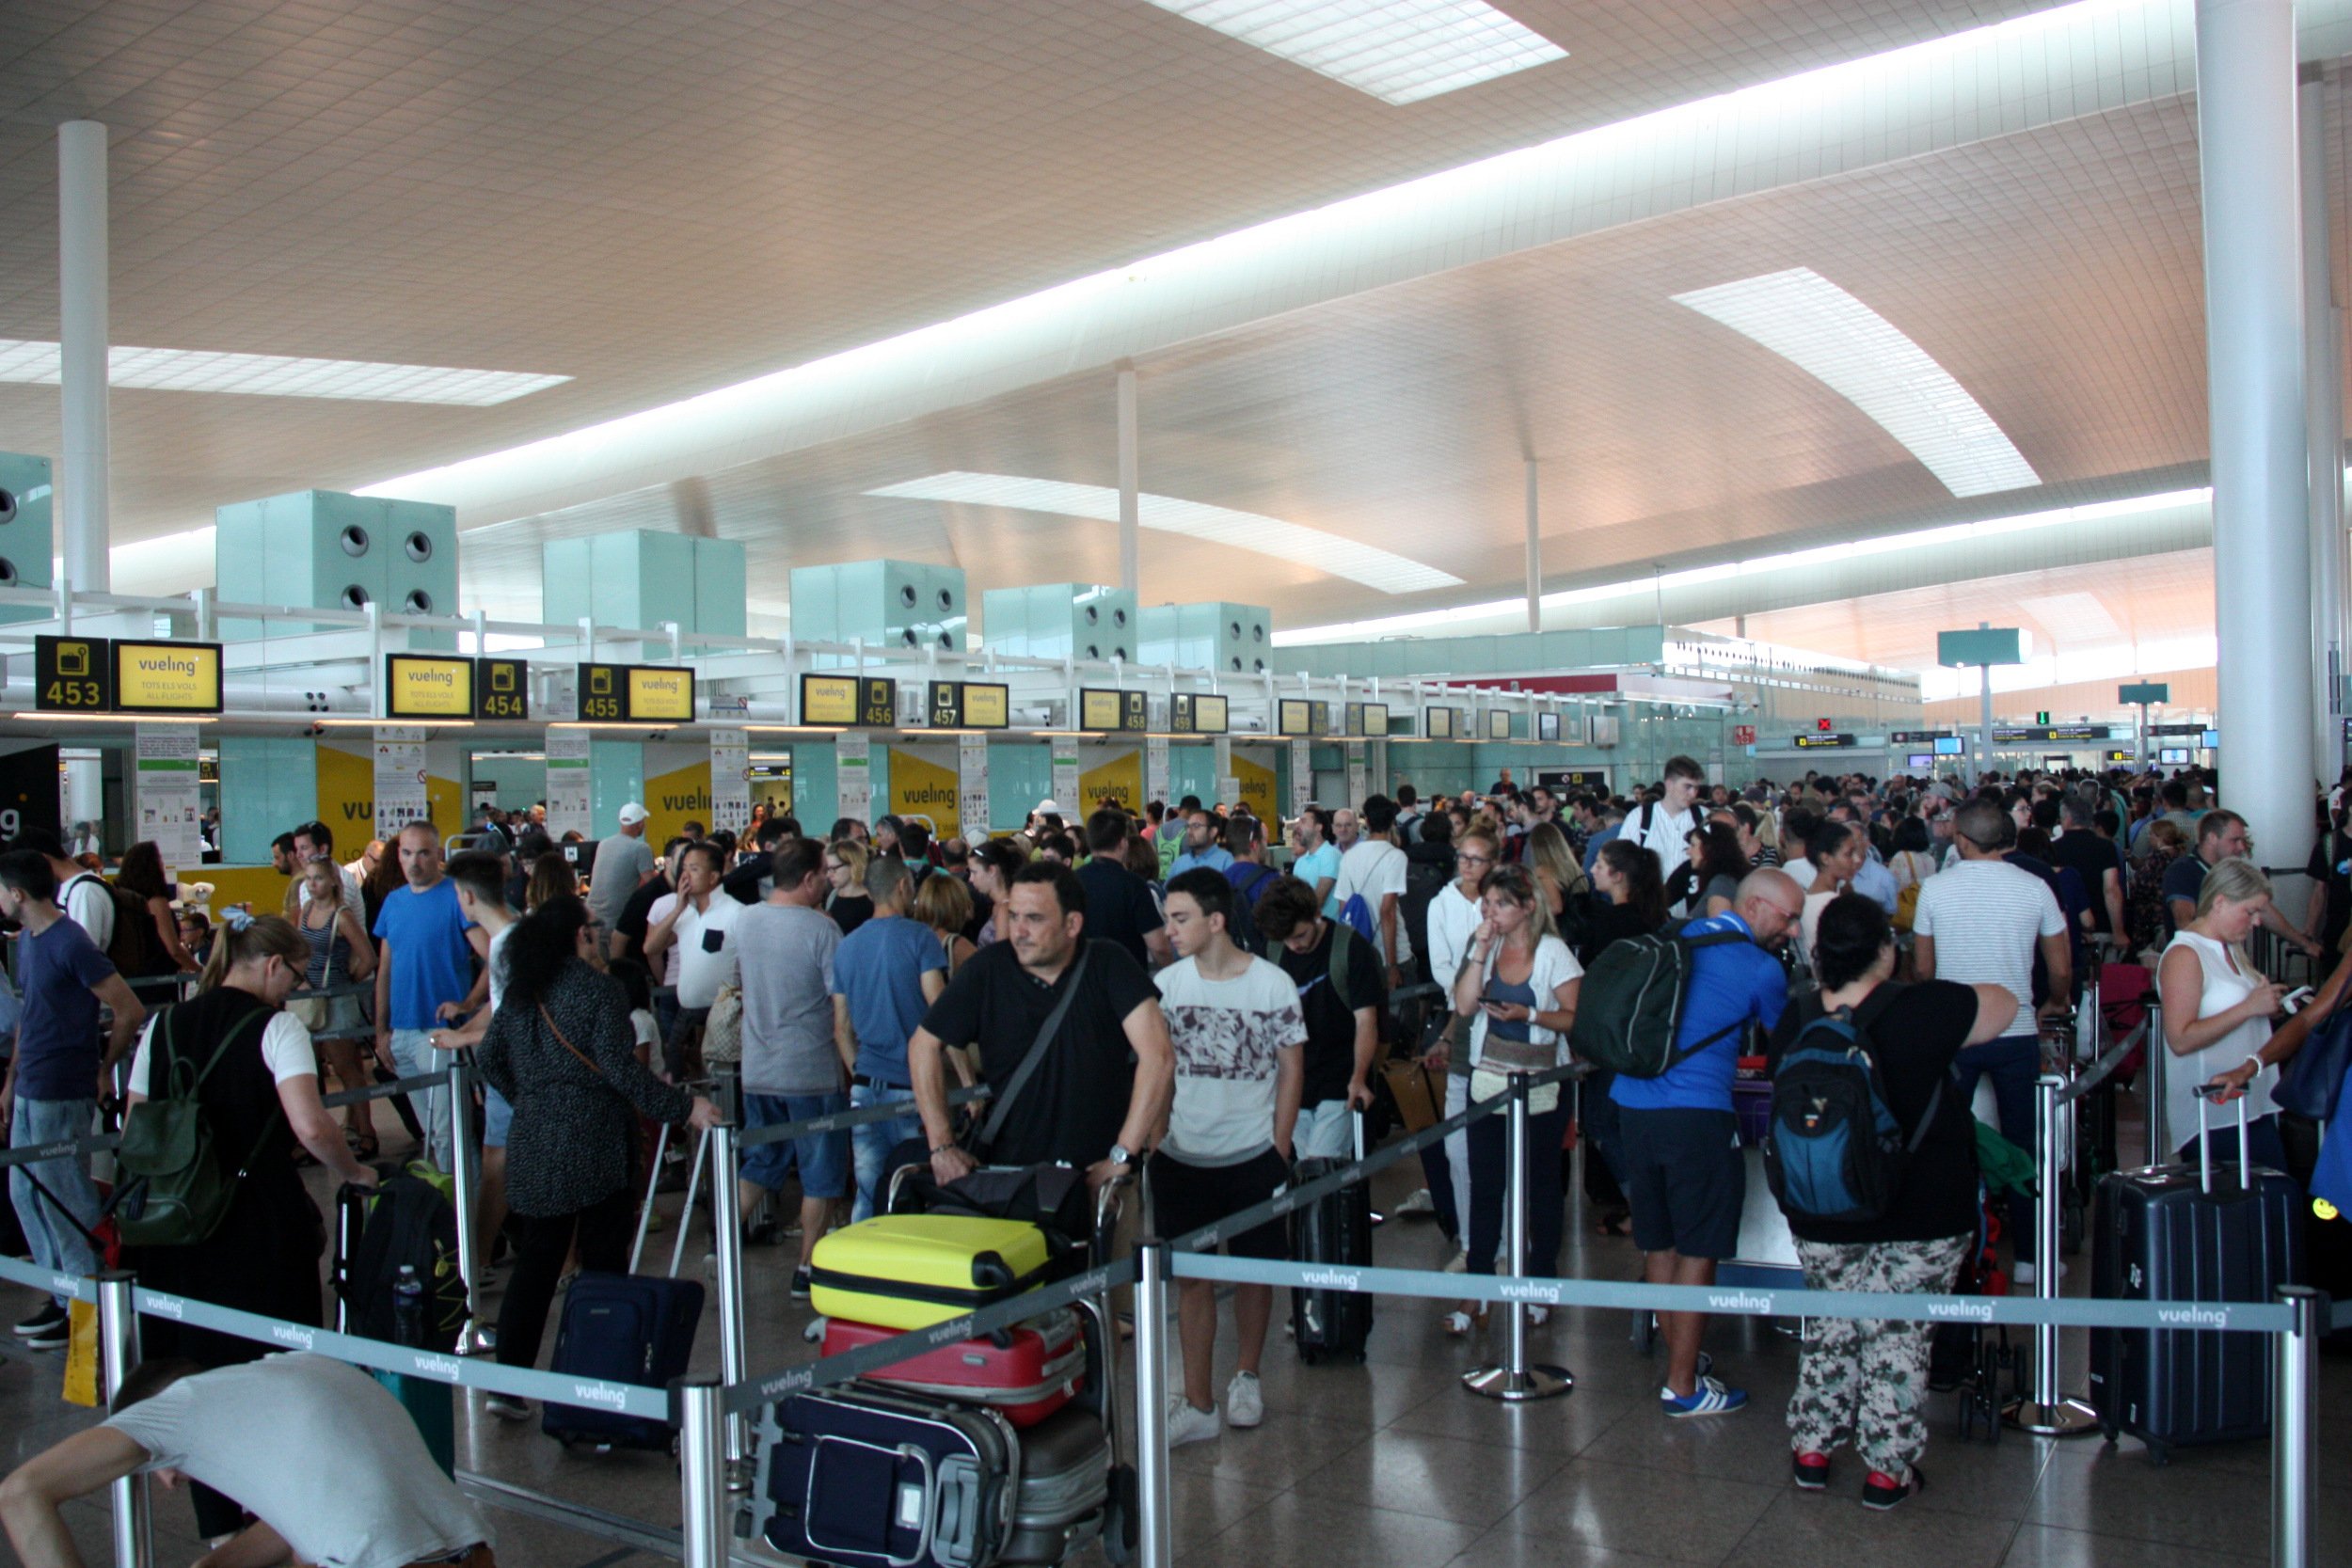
<point x="2066" y="1418"/>
<point x="1538" y="1381"/>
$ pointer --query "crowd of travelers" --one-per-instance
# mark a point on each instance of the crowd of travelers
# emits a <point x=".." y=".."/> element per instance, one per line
<point x="1223" y="992"/>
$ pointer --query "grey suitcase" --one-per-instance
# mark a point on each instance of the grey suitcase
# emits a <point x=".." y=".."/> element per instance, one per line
<point x="1065" y="1484"/>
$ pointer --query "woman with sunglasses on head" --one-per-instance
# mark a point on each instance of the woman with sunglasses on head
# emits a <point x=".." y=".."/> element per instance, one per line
<point x="1517" y="987"/>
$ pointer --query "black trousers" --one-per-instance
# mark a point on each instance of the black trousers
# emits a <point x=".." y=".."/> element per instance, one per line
<point x="541" y="1243"/>
<point x="1489" y="1151"/>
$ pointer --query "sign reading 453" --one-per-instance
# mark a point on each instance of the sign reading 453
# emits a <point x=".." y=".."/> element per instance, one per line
<point x="73" y="675"/>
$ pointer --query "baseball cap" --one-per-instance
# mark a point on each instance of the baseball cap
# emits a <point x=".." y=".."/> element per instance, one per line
<point x="633" y="814"/>
<point x="1049" y="804"/>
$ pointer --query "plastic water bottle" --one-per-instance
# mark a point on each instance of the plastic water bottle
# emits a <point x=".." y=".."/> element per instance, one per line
<point x="408" y="1307"/>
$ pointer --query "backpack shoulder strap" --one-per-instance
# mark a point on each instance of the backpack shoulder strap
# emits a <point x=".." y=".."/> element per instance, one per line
<point x="1342" y="957"/>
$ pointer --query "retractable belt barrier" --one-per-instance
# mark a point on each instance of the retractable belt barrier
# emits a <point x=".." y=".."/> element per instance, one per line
<point x="832" y="1121"/>
<point x="2101" y="1071"/>
<point x="381" y="1091"/>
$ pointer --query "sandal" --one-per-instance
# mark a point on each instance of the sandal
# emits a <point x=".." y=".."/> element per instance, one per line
<point x="1460" y="1321"/>
<point x="1615" y="1223"/>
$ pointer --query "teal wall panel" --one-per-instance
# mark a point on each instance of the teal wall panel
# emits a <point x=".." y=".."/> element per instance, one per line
<point x="268" y="783"/>
<point x="814" y="800"/>
<point x="616" y="775"/>
<point x="1020" y="774"/>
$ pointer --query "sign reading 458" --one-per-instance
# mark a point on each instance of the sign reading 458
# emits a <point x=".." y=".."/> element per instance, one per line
<point x="71" y="674"/>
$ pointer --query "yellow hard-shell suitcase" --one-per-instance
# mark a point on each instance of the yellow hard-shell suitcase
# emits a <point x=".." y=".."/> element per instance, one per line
<point x="911" y="1271"/>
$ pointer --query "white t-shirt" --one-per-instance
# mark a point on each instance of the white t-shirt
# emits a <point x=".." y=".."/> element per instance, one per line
<point x="1665" y="835"/>
<point x="1227" y="1035"/>
<point x="1986" y="917"/>
<point x="87" y="903"/>
<point x="704" y="951"/>
<point x="498" y="965"/>
<point x="1453" y="918"/>
<point x="255" y="1432"/>
<point x="285" y="1046"/>
<point x="1374" y="868"/>
<point x="655" y="916"/>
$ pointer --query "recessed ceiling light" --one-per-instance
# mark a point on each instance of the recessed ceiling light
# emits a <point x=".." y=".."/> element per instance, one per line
<point x="1402" y="51"/>
<point x="1864" y="357"/>
<point x="179" y="369"/>
<point x="1242" y="530"/>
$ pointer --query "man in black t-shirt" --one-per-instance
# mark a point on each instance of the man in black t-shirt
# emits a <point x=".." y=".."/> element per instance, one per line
<point x="2093" y="859"/>
<point x="1118" y="904"/>
<point x="628" y="936"/>
<point x="1104" y="1081"/>
<point x="1342" y="1007"/>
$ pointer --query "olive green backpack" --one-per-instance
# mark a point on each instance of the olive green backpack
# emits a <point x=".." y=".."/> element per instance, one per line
<point x="175" y="1184"/>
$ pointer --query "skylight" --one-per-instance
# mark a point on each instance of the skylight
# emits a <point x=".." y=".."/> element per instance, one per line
<point x="1401" y="50"/>
<point x="179" y="369"/>
<point x="1242" y="530"/>
<point x="1822" y="555"/>
<point x="1864" y="357"/>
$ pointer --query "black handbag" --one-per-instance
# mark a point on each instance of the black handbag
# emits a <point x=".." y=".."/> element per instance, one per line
<point x="2314" y="1076"/>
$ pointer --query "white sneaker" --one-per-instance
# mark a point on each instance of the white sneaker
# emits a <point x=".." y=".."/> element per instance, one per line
<point x="2024" y="1273"/>
<point x="1189" y="1425"/>
<point x="1245" y="1401"/>
<point x="1419" y="1203"/>
<point x="1458" y="1263"/>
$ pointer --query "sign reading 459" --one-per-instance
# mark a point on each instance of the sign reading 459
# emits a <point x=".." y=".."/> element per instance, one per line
<point x="73" y="675"/>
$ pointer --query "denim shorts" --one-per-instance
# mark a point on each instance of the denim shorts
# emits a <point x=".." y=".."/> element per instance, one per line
<point x="823" y="1157"/>
<point x="497" y="1116"/>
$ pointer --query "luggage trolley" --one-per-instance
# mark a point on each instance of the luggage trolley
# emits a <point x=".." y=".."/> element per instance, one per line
<point x="940" y="1468"/>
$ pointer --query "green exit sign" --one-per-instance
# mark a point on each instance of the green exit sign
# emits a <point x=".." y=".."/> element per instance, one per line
<point x="2041" y="718"/>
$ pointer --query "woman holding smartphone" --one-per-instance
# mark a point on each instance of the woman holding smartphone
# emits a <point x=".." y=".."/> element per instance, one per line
<point x="1517" y="987"/>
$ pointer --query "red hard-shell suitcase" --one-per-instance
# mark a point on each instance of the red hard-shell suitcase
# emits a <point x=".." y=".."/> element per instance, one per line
<point x="2191" y="1233"/>
<point x="1033" y="1373"/>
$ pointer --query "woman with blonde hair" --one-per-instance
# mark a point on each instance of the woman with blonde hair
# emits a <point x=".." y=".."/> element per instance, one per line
<point x="1517" y="986"/>
<point x="2218" y="1016"/>
<point x="336" y="950"/>
<point x="849" y="904"/>
<point x="1555" y="866"/>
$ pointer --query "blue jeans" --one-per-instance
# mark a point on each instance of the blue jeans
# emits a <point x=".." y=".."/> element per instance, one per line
<point x="2012" y="1062"/>
<point x="871" y="1142"/>
<point x="56" y="1244"/>
<point x="413" y="1056"/>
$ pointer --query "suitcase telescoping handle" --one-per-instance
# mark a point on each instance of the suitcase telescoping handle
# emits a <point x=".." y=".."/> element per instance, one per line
<point x="2206" y="1094"/>
<point x="350" y="1203"/>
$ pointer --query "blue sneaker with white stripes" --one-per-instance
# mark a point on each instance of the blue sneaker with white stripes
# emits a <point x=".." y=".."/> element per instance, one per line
<point x="1708" y="1397"/>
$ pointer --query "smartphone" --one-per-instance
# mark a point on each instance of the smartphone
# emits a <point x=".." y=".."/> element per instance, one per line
<point x="2292" y="1001"/>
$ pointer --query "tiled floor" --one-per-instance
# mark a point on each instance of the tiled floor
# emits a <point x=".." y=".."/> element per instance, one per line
<point x="1393" y="1466"/>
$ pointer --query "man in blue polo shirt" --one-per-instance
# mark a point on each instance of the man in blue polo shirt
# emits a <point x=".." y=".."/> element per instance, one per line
<point x="885" y="975"/>
<point x="1686" y="1182"/>
<point x="426" y="976"/>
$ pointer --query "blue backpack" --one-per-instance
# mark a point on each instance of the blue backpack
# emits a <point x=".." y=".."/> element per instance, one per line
<point x="1835" y="1150"/>
<point x="1356" y="915"/>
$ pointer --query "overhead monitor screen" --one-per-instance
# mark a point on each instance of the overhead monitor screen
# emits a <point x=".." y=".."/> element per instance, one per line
<point x="1950" y="746"/>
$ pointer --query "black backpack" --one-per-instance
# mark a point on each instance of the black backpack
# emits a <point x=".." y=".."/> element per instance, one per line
<point x="135" y="949"/>
<point x="1628" y="1011"/>
<point x="1836" y="1151"/>
<point x="408" y="1222"/>
<point x="1242" y="925"/>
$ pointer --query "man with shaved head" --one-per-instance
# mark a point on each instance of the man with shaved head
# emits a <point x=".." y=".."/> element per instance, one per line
<point x="1686" y="1179"/>
<point x="1980" y="922"/>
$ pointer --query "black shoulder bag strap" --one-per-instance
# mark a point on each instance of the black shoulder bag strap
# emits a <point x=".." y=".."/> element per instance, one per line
<point x="1029" y="1063"/>
<point x="1867" y="1016"/>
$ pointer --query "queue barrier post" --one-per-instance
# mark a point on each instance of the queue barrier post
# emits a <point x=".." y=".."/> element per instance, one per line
<point x="1516" y="1381"/>
<point x="2159" y="1058"/>
<point x="2295" y="1428"/>
<point x="726" y="1226"/>
<point x="464" y="1162"/>
<point x="702" y="1474"/>
<point x="2047" y="1413"/>
<point x="119" y="1353"/>
<point x="1156" y="1546"/>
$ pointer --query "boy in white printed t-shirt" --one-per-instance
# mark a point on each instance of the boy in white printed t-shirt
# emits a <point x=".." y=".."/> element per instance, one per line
<point x="1239" y="1039"/>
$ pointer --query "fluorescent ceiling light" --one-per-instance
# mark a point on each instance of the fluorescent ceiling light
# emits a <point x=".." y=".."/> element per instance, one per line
<point x="2072" y="617"/>
<point x="1242" y="530"/>
<point x="1402" y="51"/>
<point x="1864" y="358"/>
<point x="179" y="369"/>
<point x="1436" y="620"/>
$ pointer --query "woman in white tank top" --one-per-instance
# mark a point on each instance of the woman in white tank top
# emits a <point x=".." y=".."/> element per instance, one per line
<point x="2218" y="1012"/>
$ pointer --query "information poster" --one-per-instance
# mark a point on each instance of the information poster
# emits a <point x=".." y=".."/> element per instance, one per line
<point x="1155" y="768"/>
<point x="972" y="787"/>
<point x="1302" y="776"/>
<point x="171" y="804"/>
<point x="1066" y="779"/>
<point x="401" y="794"/>
<point x="730" y="782"/>
<point x="1359" y="775"/>
<point x="570" y="800"/>
<point x="853" y="776"/>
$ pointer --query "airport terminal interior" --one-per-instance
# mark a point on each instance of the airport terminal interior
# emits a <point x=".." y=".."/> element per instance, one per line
<point x="970" y="455"/>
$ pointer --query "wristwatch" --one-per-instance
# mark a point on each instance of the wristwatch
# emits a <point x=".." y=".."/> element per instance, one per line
<point x="1120" y="1155"/>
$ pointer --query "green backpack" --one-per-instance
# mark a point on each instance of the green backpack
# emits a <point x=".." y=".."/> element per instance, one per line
<point x="176" y="1186"/>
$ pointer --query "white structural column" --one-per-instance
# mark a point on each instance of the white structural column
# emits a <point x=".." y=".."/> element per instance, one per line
<point x="1130" y="484"/>
<point x="1534" y="555"/>
<point x="83" y="495"/>
<point x="2323" y="393"/>
<point x="2247" y="155"/>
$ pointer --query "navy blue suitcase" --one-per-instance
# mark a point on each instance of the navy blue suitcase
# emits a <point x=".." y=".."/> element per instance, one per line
<point x="2189" y="1233"/>
<point x="622" y="1328"/>
<point x="865" y="1477"/>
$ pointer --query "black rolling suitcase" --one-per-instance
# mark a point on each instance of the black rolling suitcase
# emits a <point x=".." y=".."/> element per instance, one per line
<point x="622" y="1328"/>
<point x="2183" y="1233"/>
<point x="1336" y="1230"/>
<point x="861" y="1477"/>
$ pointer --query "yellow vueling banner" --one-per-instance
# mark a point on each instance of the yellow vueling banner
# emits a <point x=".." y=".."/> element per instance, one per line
<point x="677" y="790"/>
<point x="1116" y="778"/>
<point x="1257" y="789"/>
<point x="922" y="784"/>
<point x="346" y="791"/>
